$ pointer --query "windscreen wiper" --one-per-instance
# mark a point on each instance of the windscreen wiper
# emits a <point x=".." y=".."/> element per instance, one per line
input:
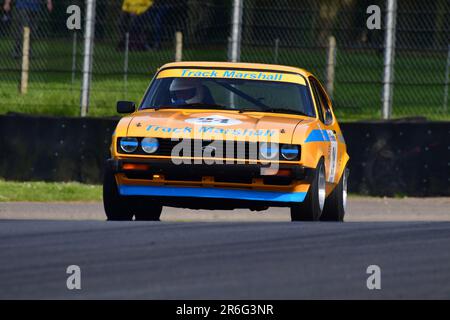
<point x="282" y="110"/>
<point x="193" y="105"/>
<point x="278" y="110"/>
<point x="203" y="104"/>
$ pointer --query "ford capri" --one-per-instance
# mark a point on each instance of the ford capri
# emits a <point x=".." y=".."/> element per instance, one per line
<point x="218" y="135"/>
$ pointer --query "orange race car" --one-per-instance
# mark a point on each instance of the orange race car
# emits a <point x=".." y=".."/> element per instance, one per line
<point x="217" y="135"/>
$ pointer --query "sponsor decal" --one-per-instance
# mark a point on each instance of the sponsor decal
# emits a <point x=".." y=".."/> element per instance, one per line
<point x="212" y="130"/>
<point x="232" y="74"/>
<point x="333" y="155"/>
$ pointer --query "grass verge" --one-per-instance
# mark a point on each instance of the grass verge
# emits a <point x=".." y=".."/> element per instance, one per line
<point x="53" y="90"/>
<point x="48" y="191"/>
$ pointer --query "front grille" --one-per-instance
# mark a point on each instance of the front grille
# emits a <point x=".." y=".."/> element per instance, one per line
<point x="217" y="149"/>
<point x="198" y="148"/>
<point x="240" y="150"/>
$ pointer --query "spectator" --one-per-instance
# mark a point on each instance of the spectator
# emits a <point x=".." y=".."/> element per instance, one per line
<point x="156" y="15"/>
<point x="131" y="24"/>
<point x="26" y="14"/>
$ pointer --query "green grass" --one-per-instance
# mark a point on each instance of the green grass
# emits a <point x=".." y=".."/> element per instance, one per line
<point x="13" y="191"/>
<point x="48" y="191"/>
<point x="419" y="87"/>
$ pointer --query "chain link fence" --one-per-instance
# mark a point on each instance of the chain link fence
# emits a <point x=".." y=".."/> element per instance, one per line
<point x="132" y="42"/>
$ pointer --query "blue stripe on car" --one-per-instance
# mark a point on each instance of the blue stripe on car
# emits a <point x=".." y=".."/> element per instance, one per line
<point x="317" y="135"/>
<point x="253" y="195"/>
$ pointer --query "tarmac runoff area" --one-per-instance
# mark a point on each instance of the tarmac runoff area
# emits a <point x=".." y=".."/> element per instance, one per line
<point x="227" y="254"/>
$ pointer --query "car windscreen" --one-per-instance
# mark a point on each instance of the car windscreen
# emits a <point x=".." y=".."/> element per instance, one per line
<point x="234" y="94"/>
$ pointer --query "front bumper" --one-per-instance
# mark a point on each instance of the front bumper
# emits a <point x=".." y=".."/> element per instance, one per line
<point x="188" y="181"/>
<point x="157" y="166"/>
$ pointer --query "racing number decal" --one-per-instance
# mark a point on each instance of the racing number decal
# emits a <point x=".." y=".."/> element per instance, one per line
<point x="214" y="120"/>
<point x="333" y="155"/>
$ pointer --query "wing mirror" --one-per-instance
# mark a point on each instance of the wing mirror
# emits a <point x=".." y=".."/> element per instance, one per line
<point x="126" y="107"/>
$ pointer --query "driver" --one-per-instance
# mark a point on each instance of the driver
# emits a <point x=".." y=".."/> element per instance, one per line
<point x="186" y="91"/>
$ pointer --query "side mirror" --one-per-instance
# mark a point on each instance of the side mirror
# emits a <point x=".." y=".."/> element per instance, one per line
<point x="126" y="107"/>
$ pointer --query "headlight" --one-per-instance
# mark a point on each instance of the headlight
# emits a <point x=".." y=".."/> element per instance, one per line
<point x="289" y="152"/>
<point x="129" y="145"/>
<point x="268" y="151"/>
<point x="150" y="145"/>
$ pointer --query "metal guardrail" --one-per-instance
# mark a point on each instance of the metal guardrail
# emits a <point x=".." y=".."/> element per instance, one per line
<point x="388" y="158"/>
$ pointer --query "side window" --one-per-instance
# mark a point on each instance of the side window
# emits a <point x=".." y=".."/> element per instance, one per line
<point x="325" y="105"/>
<point x="320" y="97"/>
<point x="317" y="100"/>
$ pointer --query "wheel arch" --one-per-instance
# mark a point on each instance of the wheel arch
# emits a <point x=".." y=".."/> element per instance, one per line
<point x="343" y="166"/>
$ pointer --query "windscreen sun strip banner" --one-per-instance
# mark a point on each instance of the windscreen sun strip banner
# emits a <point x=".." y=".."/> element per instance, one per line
<point x="232" y="74"/>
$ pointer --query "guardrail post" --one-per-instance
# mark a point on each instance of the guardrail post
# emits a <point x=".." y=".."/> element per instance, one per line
<point x="331" y="65"/>
<point x="275" y="53"/>
<point x="25" y="60"/>
<point x="447" y="76"/>
<point x="236" y="31"/>
<point x="125" y="64"/>
<point x="178" y="46"/>
<point x="88" y="52"/>
<point x="74" y="57"/>
<point x="389" y="54"/>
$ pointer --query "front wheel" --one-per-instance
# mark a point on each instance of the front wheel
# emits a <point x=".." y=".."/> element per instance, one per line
<point x="311" y="208"/>
<point x="115" y="205"/>
<point x="336" y="203"/>
<point x="145" y="209"/>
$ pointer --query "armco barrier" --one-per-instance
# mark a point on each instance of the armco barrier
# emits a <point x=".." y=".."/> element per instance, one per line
<point x="402" y="157"/>
<point x="406" y="157"/>
<point x="54" y="148"/>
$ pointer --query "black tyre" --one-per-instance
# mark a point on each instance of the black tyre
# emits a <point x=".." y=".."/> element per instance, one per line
<point x="115" y="205"/>
<point x="336" y="202"/>
<point x="311" y="208"/>
<point x="145" y="209"/>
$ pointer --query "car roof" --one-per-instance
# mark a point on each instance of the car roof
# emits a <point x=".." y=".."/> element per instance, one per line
<point x="236" y="65"/>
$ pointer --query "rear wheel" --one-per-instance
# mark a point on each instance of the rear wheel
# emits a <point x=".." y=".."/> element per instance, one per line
<point x="311" y="208"/>
<point x="336" y="203"/>
<point x="115" y="205"/>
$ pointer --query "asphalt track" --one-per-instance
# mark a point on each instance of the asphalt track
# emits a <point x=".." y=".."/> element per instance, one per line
<point x="226" y="255"/>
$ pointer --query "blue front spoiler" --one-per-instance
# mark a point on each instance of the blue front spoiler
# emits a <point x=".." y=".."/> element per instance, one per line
<point x="215" y="193"/>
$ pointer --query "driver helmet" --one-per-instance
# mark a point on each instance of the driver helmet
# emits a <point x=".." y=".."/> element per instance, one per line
<point x="183" y="90"/>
